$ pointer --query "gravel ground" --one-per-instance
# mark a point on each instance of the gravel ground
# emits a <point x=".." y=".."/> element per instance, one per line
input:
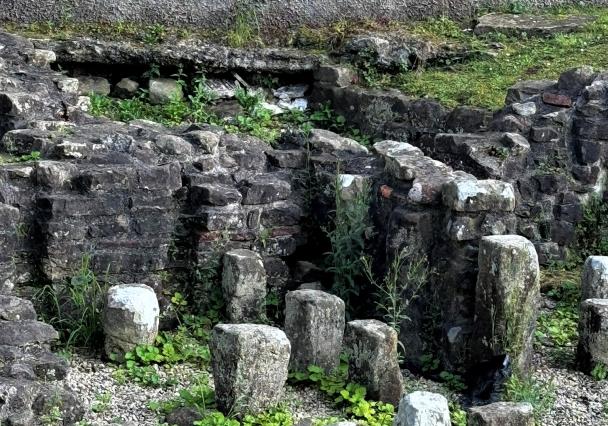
<point x="91" y="378"/>
<point x="580" y="400"/>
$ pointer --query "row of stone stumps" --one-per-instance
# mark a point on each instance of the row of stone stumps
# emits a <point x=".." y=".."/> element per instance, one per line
<point x="593" y="325"/>
<point x="251" y="361"/>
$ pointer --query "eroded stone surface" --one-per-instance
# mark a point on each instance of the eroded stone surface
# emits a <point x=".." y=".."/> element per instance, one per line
<point x="534" y="25"/>
<point x="250" y="364"/>
<point x="594" y="282"/>
<point x="372" y="349"/>
<point x="314" y="324"/>
<point x="502" y="413"/>
<point x="593" y="334"/>
<point x="130" y="318"/>
<point x="423" y="409"/>
<point x="244" y="285"/>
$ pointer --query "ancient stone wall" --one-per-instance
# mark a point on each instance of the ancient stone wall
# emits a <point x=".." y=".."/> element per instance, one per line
<point x="270" y="13"/>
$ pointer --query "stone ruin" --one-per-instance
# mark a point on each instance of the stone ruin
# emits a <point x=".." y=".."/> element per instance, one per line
<point x="487" y="196"/>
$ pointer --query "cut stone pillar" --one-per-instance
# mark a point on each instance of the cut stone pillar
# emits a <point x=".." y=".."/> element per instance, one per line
<point x="423" y="409"/>
<point x="593" y="334"/>
<point x="372" y="349"/>
<point x="502" y="414"/>
<point x="130" y="318"/>
<point x="250" y="365"/>
<point x="314" y="324"/>
<point x="594" y="283"/>
<point x="507" y="299"/>
<point x="244" y="286"/>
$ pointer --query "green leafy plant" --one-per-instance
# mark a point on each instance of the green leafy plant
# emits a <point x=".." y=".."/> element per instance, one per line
<point x="406" y="275"/>
<point x="429" y="363"/>
<point x="592" y="231"/>
<point x="32" y="156"/>
<point x="600" y="371"/>
<point x="350" y="228"/>
<point x="102" y="402"/>
<point x="198" y="396"/>
<point x="216" y="419"/>
<point x="458" y="416"/>
<point x="351" y="396"/>
<point x="75" y="308"/>
<point x="527" y="389"/>
<point x="154" y="34"/>
<point x="453" y="381"/>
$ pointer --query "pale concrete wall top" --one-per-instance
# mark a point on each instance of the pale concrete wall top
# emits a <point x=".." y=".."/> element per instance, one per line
<point x="271" y="13"/>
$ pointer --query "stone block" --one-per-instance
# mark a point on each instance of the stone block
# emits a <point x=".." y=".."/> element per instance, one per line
<point x="314" y="324"/>
<point x="372" y="349"/>
<point x="502" y="414"/>
<point x="464" y="195"/>
<point x="163" y="90"/>
<point x="423" y="409"/>
<point x="130" y="318"/>
<point x="250" y="366"/>
<point x="507" y="299"/>
<point x="593" y="334"/>
<point x="594" y="283"/>
<point x="244" y="286"/>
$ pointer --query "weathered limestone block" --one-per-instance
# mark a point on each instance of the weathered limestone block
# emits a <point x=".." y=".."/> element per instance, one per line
<point x="512" y="24"/>
<point x="126" y="88"/>
<point x="314" y="324"/>
<point x="593" y="334"/>
<point x="423" y="409"/>
<point x="594" y="283"/>
<point x="15" y="309"/>
<point x="250" y="365"/>
<point x="332" y="143"/>
<point x="372" y="349"/>
<point x="335" y="75"/>
<point x="130" y="318"/>
<point x="478" y="195"/>
<point x="502" y="414"/>
<point x="244" y="285"/>
<point x="26" y="332"/>
<point x="205" y="140"/>
<point x="163" y="90"/>
<point x="507" y="298"/>
<point x="40" y="57"/>
<point x="97" y="85"/>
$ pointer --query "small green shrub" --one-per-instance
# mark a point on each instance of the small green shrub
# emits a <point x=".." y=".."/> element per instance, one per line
<point x="592" y="231"/>
<point x="458" y="416"/>
<point x="600" y="371"/>
<point x="198" y="396"/>
<point x="75" y="308"/>
<point x="32" y="156"/>
<point x="406" y="275"/>
<point x="453" y="381"/>
<point x="350" y="396"/>
<point x="350" y="228"/>
<point x="216" y="419"/>
<point x="527" y="389"/>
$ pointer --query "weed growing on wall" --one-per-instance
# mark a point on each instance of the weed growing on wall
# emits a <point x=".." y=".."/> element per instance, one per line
<point x="75" y="307"/>
<point x="592" y="231"/>
<point x="348" y="233"/>
<point x="406" y="275"/>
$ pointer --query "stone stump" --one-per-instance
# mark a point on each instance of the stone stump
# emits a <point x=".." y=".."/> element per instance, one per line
<point x="250" y="364"/>
<point x="423" y="409"/>
<point x="507" y="299"/>
<point x="130" y="318"/>
<point x="372" y="349"/>
<point x="314" y="324"/>
<point x="502" y="414"/>
<point x="244" y="286"/>
<point x="593" y="334"/>
<point x="594" y="283"/>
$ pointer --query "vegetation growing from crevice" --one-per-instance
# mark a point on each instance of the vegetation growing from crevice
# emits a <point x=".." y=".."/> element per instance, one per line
<point x="521" y="388"/>
<point x="346" y="395"/>
<point x="406" y="275"/>
<point x="591" y="231"/>
<point x="347" y="234"/>
<point x="74" y="308"/>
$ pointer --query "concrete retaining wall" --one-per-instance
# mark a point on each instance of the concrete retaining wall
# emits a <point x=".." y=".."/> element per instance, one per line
<point x="271" y="13"/>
